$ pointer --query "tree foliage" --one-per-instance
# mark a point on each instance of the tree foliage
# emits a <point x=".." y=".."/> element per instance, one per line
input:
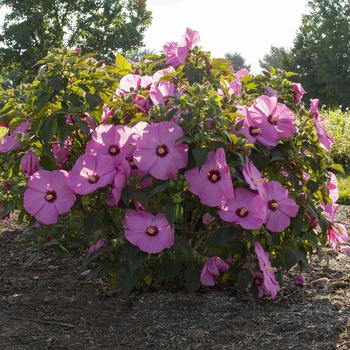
<point x="237" y="60"/>
<point x="34" y="27"/>
<point x="321" y="52"/>
<point x="278" y="57"/>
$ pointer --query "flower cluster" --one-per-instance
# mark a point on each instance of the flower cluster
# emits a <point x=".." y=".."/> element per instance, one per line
<point x="179" y="166"/>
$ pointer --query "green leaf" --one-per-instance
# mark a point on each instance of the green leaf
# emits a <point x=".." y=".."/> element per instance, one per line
<point x="290" y="257"/>
<point x="142" y="197"/>
<point x="100" y="272"/>
<point x="126" y="196"/>
<point x="173" y="212"/>
<point x="93" y="222"/>
<point x="338" y="167"/>
<point x="83" y="125"/>
<point x="122" y="65"/>
<point x="128" y="280"/>
<point x="223" y="236"/>
<point x="311" y="238"/>
<point x="244" y="279"/>
<point x="200" y="155"/>
<point x="194" y="75"/>
<point x="48" y="129"/>
<point x="168" y="270"/>
<point x="192" y="279"/>
<point x="132" y="272"/>
<point x="162" y="187"/>
<point x="181" y="245"/>
<point x="93" y="100"/>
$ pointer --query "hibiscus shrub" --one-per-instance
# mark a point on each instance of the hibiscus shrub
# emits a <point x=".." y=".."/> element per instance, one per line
<point x="175" y="171"/>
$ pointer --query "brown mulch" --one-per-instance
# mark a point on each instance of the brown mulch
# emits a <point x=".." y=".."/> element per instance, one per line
<point x="50" y="306"/>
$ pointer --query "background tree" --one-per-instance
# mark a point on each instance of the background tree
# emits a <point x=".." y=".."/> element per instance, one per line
<point x="237" y="60"/>
<point x="278" y="57"/>
<point x="139" y="55"/>
<point x="33" y="27"/>
<point x="322" y="51"/>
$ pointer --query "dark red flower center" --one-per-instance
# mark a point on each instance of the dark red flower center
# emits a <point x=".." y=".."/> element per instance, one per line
<point x="114" y="150"/>
<point x="273" y="205"/>
<point x="254" y="131"/>
<point x="152" y="230"/>
<point x="214" y="176"/>
<point x="272" y="119"/>
<point x="258" y="281"/>
<point x="93" y="178"/>
<point x="50" y="196"/>
<point x="242" y="212"/>
<point x="162" y="150"/>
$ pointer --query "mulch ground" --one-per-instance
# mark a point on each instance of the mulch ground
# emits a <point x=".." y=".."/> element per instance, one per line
<point x="50" y="306"/>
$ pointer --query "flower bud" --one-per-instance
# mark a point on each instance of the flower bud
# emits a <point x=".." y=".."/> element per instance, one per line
<point x="30" y="163"/>
<point x="7" y="184"/>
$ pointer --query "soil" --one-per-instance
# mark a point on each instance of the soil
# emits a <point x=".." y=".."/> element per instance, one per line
<point x="51" y="306"/>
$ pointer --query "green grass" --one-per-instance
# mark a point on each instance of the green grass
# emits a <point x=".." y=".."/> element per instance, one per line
<point x="344" y="189"/>
<point x="339" y="128"/>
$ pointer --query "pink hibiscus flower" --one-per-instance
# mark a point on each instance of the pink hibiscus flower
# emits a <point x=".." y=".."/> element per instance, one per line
<point x="242" y="73"/>
<point x="97" y="246"/>
<point x="30" y="163"/>
<point x="299" y="280"/>
<point x="109" y="140"/>
<point x="280" y="208"/>
<point x="298" y="92"/>
<point x="159" y="152"/>
<point x="212" y="182"/>
<point x="61" y="151"/>
<point x="276" y="118"/>
<point x="84" y="117"/>
<point x="211" y="271"/>
<point x="176" y="53"/>
<point x="233" y="88"/>
<point x="268" y="284"/>
<point x="123" y="172"/>
<point x="160" y="92"/>
<point x="151" y="233"/>
<point x="48" y="195"/>
<point x="107" y="114"/>
<point x="337" y="234"/>
<point x="207" y="219"/>
<point x="246" y="209"/>
<point x="324" y="139"/>
<point x="134" y="82"/>
<point x="11" y="142"/>
<point x="252" y="175"/>
<point x="162" y="73"/>
<point x="256" y="130"/>
<point x="90" y="173"/>
<point x="333" y="187"/>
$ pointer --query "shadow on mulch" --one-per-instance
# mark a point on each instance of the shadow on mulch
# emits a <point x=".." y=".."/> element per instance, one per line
<point x="50" y="306"/>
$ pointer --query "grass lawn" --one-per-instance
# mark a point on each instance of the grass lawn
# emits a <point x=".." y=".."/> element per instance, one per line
<point x="344" y="189"/>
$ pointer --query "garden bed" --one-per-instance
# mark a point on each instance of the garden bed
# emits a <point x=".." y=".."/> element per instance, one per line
<point x="50" y="306"/>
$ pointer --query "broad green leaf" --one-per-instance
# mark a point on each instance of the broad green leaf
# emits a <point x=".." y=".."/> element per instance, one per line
<point x="122" y="65"/>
